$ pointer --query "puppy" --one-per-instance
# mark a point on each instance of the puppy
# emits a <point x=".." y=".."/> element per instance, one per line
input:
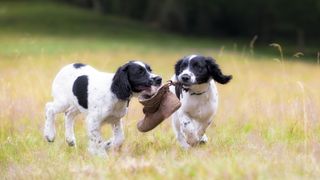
<point x="199" y="97"/>
<point x="101" y="97"/>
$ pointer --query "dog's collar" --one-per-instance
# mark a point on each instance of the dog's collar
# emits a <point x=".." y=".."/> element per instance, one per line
<point x="194" y="93"/>
<point x="197" y="94"/>
<point x="179" y="88"/>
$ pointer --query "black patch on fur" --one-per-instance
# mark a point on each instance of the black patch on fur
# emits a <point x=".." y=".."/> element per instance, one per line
<point x="130" y="78"/>
<point x="215" y="71"/>
<point x="198" y="66"/>
<point x="148" y="68"/>
<point x="120" y="84"/>
<point x="139" y="76"/>
<point x="78" y="65"/>
<point x="177" y="68"/>
<point x="203" y="68"/>
<point x="80" y="90"/>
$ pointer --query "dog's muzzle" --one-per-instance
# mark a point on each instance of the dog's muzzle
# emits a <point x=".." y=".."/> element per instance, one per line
<point x="156" y="81"/>
<point x="185" y="80"/>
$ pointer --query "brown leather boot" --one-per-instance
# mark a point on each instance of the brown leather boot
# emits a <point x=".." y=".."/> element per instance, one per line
<point x="157" y="108"/>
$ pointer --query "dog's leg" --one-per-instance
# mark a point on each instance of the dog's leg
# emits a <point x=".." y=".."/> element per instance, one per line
<point x="69" y="116"/>
<point x="52" y="108"/>
<point x="202" y="127"/>
<point x="118" y="135"/>
<point x="189" y="130"/>
<point x="176" y="127"/>
<point x="96" y="144"/>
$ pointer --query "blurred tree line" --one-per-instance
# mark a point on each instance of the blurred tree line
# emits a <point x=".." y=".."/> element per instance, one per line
<point x="288" y="19"/>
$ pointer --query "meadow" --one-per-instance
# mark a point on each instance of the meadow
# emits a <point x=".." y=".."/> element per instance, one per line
<point x="267" y="125"/>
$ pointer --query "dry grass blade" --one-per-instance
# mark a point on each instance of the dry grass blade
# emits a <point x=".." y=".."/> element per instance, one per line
<point x="298" y="54"/>
<point x="279" y="49"/>
<point x="252" y="42"/>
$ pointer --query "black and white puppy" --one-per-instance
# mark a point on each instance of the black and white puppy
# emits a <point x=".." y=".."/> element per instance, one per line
<point x="199" y="97"/>
<point x="102" y="97"/>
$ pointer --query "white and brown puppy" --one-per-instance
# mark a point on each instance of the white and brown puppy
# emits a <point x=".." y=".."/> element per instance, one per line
<point x="199" y="97"/>
<point x="102" y="97"/>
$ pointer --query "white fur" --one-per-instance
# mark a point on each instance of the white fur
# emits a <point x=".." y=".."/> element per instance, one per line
<point x="189" y="73"/>
<point x="192" y="56"/>
<point x="140" y="63"/>
<point x="143" y="65"/>
<point x="194" y="116"/>
<point x="104" y="107"/>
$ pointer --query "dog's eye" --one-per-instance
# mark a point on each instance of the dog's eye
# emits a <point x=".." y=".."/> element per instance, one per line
<point x="140" y="71"/>
<point x="183" y="65"/>
<point x="149" y="69"/>
<point x="197" y="66"/>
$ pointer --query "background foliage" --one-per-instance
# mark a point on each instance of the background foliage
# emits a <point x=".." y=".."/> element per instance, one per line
<point x="287" y="19"/>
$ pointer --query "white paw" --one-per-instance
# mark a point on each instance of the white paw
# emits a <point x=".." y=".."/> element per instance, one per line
<point x="71" y="141"/>
<point x="49" y="134"/>
<point x="204" y="139"/>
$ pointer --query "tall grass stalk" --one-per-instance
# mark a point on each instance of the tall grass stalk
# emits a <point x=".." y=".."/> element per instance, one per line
<point x="298" y="54"/>
<point x="252" y="42"/>
<point x="279" y="49"/>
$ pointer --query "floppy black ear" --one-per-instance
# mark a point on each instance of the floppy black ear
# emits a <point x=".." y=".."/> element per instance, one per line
<point x="120" y="84"/>
<point x="177" y="67"/>
<point x="215" y="71"/>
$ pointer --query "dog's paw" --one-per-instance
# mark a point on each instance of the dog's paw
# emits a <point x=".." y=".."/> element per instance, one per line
<point x="49" y="135"/>
<point x="49" y="138"/>
<point x="71" y="142"/>
<point x="70" y="139"/>
<point x="204" y="139"/>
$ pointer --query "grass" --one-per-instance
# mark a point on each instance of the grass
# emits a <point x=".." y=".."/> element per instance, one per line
<point x="267" y="126"/>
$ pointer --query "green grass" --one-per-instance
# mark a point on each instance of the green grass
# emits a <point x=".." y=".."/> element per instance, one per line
<point x="267" y="126"/>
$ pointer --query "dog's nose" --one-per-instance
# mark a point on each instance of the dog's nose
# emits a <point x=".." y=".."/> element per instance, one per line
<point x="157" y="80"/>
<point x="185" y="78"/>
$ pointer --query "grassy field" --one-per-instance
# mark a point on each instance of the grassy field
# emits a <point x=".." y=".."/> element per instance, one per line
<point x="267" y="126"/>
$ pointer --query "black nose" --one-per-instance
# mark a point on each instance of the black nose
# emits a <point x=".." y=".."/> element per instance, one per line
<point x="157" y="80"/>
<point x="185" y="78"/>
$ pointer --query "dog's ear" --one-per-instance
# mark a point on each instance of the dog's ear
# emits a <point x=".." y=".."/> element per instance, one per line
<point x="177" y="67"/>
<point x="120" y="84"/>
<point x="215" y="71"/>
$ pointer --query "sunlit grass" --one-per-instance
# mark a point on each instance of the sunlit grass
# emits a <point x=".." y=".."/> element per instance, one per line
<point x="267" y="125"/>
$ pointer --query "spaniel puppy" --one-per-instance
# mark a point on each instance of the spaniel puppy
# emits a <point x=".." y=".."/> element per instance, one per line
<point x="101" y="97"/>
<point x="199" y="97"/>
